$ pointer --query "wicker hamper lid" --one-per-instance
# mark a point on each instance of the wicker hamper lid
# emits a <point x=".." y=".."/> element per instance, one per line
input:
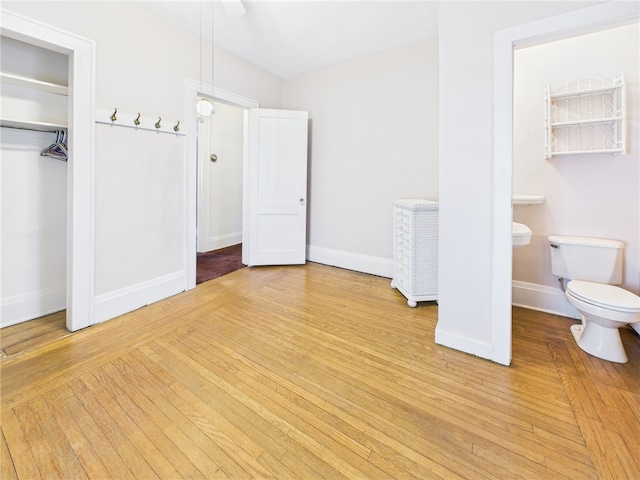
<point x="416" y="204"/>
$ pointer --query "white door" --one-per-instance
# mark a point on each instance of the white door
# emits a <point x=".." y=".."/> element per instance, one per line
<point x="275" y="176"/>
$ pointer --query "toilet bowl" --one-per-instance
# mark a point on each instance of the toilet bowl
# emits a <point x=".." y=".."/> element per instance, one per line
<point x="593" y="268"/>
<point x="604" y="309"/>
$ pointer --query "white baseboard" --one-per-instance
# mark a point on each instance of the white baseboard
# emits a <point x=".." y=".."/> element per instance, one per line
<point x="542" y="298"/>
<point x="222" y="241"/>
<point x="125" y="300"/>
<point x="463" y="344"/>
<point x="28" y="306"/>
<point x="383" y="267"/>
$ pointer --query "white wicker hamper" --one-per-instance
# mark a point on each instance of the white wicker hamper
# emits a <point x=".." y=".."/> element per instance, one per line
<point x="415" y="249"/>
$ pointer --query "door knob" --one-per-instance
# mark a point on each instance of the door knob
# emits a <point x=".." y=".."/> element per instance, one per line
<point x="213" y="157"/>
<point x="302" y="202"/>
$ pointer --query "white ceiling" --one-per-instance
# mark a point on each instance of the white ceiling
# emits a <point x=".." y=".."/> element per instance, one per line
<point x="288" y="38"/>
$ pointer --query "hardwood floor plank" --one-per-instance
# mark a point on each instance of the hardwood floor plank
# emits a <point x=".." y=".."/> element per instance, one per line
<point x="312" y="372"/>
<point x="153" y="424"/>
<point x="7" y="468"/>
<point x="577" y="386"/>
<point x="109" y="455"/>
<point x="235" y="462"/>
<point x="551" y="452"/>
<point x="274" y="434"/>
<point x="257" y="365"/>
<point x="149" y="452"/>
<point x="106" y="421"/>
<point x="21" y="455"/>
<point x="280" y="423"/>
<point x="64" y="455"/>
<point x="197" y="456"/>
<point x="43" y="456"/>
<point x="82" y="447"/>
<point x="40" y="331"/>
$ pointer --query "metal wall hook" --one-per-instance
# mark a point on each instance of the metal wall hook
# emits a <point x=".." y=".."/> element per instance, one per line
<point x="157" y="124"/>
<point x="176" y="128"/>
<point x="113" y="115"/>
<point x="137" y="119"/>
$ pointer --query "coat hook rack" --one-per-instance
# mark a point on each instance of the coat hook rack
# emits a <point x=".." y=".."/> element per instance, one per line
<point x="117" y="118"/>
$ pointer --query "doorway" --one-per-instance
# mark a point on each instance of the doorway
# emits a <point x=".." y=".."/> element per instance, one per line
<point x="220" y="155"/>
<point x="568" y="180"/>
<point x="207" y="211"/>
<point x="554" y="28"/>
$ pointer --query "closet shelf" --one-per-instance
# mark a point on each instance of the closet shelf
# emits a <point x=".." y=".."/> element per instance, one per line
<point x="28" y="125"/>
<point x="11" y="79"/>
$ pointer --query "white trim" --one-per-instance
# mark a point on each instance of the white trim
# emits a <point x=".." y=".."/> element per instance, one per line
<point x="223" y="241"/>
<point x="193" y="175"/>
<point x="80" y="179"/>
<point x="27" y="306"/>
<point x="464" y="344"/>
<point x="542" y="298"/>
<point x="382" y="267"/>
<point x="549" y="29"/>
<point x="124" y="300"/>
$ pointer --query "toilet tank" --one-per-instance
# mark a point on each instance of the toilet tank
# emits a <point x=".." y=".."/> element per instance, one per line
<point x="589" y="259"/>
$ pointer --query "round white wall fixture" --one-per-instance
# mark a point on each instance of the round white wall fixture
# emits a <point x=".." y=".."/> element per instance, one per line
<point x="204" y="107"/>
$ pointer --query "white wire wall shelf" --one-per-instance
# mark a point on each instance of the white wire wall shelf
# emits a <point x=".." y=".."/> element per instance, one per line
<point x="586" y="116"/>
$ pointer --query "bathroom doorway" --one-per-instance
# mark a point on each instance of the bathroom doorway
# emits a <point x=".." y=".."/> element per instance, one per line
<point x="554" y="28"/>
<point x="567" y="181"/>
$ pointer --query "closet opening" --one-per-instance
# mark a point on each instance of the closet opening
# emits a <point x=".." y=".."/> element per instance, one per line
<point x="34" y="189"/>
<point x="47" y="129"/>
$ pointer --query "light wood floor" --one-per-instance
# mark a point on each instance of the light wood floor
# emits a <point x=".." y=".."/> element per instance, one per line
<point x="22" y="337"/>
<point x="313" y="372"/>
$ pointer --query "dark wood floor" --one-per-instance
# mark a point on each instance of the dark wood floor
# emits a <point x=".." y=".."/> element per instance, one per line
<point x="313" y="372"/>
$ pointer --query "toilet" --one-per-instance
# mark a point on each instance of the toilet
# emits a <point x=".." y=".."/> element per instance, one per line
<point x="593" y="267"/>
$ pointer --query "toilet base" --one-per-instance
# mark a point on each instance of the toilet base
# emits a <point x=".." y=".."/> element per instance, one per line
<point x="599" y="341"/>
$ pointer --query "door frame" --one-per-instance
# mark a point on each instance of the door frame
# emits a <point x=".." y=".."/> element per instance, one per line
<point x="194" y="165"/>
<point x="577" y="22"/>
<point x="80" y="269"/>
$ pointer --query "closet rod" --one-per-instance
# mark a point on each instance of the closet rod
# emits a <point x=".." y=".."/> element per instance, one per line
<point x="32" y="126"/>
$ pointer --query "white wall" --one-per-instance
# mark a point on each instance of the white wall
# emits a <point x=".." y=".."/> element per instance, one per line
<point x="141" y="66"/>
<point x="592" y="195"/>
<point x="373" y="138"/>
<point x="466" y="76"/>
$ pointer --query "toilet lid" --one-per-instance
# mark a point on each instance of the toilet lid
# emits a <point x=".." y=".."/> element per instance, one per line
<point x="607" y="296"/>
